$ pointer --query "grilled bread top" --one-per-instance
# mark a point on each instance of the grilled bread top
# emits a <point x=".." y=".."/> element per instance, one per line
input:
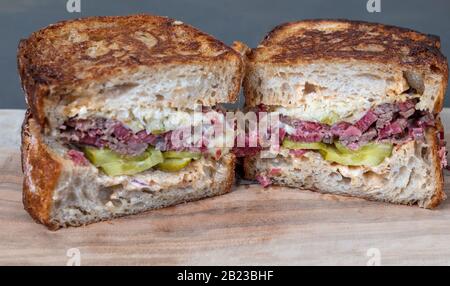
<point x="92" y="48"/>
<point x="155" y="60"/>
<point x="309" y="40"/>
<point x="345" y="67"/>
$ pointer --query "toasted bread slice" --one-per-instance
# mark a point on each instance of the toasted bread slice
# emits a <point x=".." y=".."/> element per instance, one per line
<point x="345" y="63"/>
<point x="59" y="193"/>
<point x="125" y="61"/>
<point x="412" y="175"/>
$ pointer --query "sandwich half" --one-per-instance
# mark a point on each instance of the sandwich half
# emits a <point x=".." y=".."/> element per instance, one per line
<point x="359" y="107"/>
<point x="105" y="96"/>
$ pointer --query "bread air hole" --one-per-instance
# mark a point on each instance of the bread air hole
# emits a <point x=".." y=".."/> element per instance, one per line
<point x="311" y="88"/>
<point x="415" y="81"/>
<point x="119" y="88"/>
<point x="335" y="176"/>
<point x="435" y="69"/>
<point x="105" y="193"/>
<point x="346" y="180"/>
<point x="424" y="153"/>
<point x="372" y="177"/>
<point x="116" y="203"/>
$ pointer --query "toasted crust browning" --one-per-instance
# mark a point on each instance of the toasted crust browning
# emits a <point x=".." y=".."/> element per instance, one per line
<point x="41" y="172"/>
<point x="439" y="194"/>
<point x="342" y="62"/>
<point x="54" y="189"/>
<point x="309" y="40"/>
<point x="73" y="58"/>
<point x="88" y="49"/>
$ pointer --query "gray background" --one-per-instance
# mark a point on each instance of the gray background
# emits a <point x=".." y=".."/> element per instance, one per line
<point x="228" y="20"/>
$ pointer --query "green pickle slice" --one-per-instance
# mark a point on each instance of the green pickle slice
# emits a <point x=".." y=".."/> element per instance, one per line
<point x="158" y="131"/>
<point x="100" y="157"/>
<point x="181" y="155"/>
<point x="301" y="145"/>
<point x="115" y="165"/>
<point x="371" y="154"/>
<point x="177" y="160"/>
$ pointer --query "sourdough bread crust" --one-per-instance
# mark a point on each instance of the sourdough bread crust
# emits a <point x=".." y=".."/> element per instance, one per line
<point x="439" y="194"/>
<point x="46" y="171"/>
<point x="41" y="174"/>
<point x="309" y="40"/>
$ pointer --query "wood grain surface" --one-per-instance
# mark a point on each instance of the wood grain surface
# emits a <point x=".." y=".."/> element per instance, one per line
<point x="250" y="226"/>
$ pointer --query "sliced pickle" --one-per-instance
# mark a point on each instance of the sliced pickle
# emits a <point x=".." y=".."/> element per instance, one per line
<point x="289" y="144"/>
<point x="102" y="156"/>
<point x="368" y="155"/>
<point x="371" y="154"/>
<point x="174" y="164"/>
<point x="133" y="165"/>
<point x="342" y="148"/>
<point x="157" y="131"/>
<point x="181" y="155"/>
<point x="115" y="165"/>
<point x="368" y="148"/>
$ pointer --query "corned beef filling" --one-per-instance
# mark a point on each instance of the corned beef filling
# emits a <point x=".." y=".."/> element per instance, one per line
<point x="78" y="157"/>
<point x="395" y="123"/>
<point x="112" y="134"/>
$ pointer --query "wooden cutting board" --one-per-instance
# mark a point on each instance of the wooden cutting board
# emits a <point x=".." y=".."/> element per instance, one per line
<point x="250" y="226"/>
